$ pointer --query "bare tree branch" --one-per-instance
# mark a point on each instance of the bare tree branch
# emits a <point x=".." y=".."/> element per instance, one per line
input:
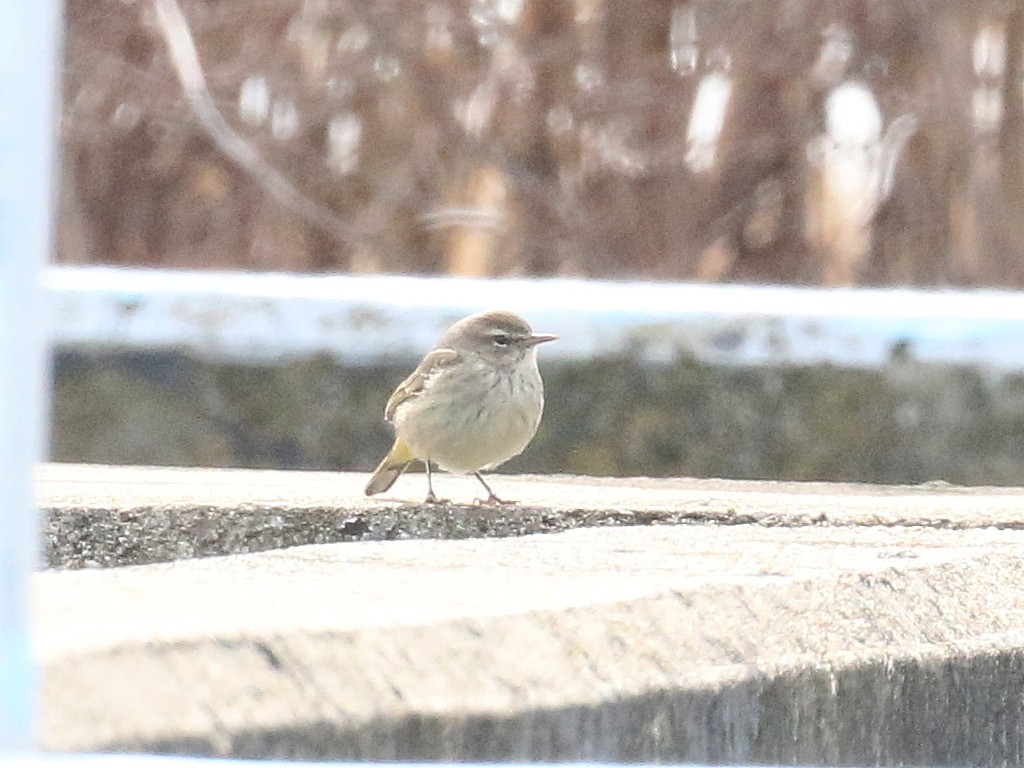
<point x="185" y="59"/>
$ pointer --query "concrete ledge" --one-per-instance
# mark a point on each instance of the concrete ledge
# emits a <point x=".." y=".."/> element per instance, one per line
<point x="101" y="516"/>
<point x="825" y="624"/>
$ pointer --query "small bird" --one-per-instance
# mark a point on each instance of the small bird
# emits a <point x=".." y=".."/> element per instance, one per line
<point x="474" y="402"/>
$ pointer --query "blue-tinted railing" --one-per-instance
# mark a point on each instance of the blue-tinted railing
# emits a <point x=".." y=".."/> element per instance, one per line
<point x="29" y="30"/>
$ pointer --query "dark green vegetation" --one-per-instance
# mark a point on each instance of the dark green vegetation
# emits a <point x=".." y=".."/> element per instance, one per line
<point x="908" y="424"/>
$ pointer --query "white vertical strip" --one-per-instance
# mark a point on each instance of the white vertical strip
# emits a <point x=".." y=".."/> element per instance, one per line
<point x="29" y="31"/>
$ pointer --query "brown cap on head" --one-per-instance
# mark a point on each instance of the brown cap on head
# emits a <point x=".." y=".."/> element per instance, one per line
<point x="495" y="328"/>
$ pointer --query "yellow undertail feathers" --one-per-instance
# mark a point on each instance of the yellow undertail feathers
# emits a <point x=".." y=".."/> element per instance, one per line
<point x="390" y="468"/>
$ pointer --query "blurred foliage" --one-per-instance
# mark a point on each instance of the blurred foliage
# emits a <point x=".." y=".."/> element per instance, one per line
<point x="911" y="423"/>
<point x="495" y="137"/>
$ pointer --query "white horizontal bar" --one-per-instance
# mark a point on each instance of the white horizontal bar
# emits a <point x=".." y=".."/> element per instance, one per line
<point x="364" y="319"/>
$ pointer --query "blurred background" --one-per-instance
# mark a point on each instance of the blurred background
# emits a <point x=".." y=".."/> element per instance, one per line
<point x="717" y="141"/>
<point x="811" y="142"/>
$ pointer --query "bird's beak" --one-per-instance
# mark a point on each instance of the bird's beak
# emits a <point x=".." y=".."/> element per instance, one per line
<point x="539" y="338"/>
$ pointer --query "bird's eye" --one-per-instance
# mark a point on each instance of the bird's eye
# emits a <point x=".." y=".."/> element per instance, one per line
<point x="501" y="340"/>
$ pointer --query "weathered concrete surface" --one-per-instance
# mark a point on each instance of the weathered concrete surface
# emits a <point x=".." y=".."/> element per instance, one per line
<point x="101" y="516"/>
<point x="825" y="624"/>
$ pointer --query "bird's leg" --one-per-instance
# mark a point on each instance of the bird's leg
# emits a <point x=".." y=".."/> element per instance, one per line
<point x="492" y="498"/>
<point x="431" y="498"/>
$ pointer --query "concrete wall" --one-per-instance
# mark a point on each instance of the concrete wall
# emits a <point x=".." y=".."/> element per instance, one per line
<point x="263" y="370"/>
<point x="626" y="620"/>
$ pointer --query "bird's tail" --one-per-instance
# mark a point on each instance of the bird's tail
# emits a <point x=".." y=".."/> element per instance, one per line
<point x="384" y="476"/>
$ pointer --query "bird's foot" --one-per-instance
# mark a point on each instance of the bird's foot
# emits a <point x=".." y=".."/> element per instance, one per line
<point x="432" y="499"/>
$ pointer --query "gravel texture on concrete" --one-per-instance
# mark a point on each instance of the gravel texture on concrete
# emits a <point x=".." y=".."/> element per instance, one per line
<point x="819" y="624"/>
<point x="101" y="516"/>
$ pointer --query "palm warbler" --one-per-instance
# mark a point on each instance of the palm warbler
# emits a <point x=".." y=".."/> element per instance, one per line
<point x="474" y="402"/>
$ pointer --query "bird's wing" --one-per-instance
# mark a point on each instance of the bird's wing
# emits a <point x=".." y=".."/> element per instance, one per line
<point x="435" y="362"/>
